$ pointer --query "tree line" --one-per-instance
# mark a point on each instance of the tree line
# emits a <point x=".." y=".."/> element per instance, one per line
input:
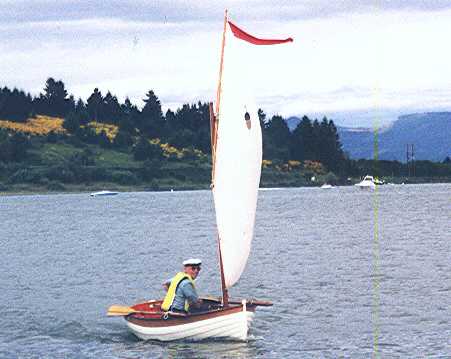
<point x="187" y="127"/>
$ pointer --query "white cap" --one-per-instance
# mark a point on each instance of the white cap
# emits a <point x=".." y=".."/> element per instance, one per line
<point x="192" y="262"/>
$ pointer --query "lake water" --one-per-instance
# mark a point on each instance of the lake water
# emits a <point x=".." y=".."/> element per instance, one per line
<point x="347" y="281"/>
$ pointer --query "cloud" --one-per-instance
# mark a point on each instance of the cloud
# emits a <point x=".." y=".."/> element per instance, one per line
<point x="126" y="58"/>
<point x="24" y="11"/>
<point x="344" y="58"/>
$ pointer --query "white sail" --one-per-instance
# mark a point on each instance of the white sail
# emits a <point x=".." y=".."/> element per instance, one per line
<point x="238" y="160"/>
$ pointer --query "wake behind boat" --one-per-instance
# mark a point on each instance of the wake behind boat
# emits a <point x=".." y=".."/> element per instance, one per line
<point x="236" y="143"/>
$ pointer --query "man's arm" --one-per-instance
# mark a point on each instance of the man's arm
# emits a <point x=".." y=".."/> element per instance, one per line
<point x="190" y="293"/>
<point x="167" y="284"/>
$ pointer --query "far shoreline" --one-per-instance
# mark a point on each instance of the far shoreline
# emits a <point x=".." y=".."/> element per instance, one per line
<point x="35" y="191"/>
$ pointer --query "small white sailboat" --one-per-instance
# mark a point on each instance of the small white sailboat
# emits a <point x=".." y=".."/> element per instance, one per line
<point x="236" y="141"/>
<point x="103" y="193"/>
<point x="366" y="183"/>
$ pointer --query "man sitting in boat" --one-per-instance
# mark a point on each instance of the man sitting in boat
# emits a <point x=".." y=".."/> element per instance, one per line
<point x="181" y="293"/>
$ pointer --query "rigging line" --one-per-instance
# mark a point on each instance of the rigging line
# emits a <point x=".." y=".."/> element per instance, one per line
<point x="376" y="252"/>
<point x="214" y="136"/>
<point x="376" y="244"/>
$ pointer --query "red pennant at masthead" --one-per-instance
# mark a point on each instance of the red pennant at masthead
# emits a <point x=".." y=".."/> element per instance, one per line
<point x="254" y="40"/>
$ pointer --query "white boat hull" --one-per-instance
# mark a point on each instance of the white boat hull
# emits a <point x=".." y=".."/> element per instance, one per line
<point x="368" y="182"/>
<point x="233" y="326"/>
<point x="103" y="193"/>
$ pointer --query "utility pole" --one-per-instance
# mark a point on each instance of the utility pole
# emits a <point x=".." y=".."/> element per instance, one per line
<point x="410" y="160"/>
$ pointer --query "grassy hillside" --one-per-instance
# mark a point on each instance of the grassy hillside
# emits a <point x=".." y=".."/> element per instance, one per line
<point x="55" y="160"/>
<point x="58" y="161"/>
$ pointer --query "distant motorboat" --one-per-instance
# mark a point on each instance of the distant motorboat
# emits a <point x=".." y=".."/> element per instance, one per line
<point x="367" y="183"/>
<point x="103" y="193"/>
<point x="326" y="186"/>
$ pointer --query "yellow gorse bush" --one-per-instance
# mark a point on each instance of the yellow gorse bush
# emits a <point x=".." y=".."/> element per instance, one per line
<point x="199" y="153"/>
<point x="294" y="164"/>
<point x="315" y="166"/>
<point x="41" y="125"/>
<point x="171" y="151"/>
<point x="110" y="130"/>
<point x="168" y="150"/>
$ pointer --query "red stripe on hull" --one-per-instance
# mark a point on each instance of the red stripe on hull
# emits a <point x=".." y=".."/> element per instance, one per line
<point x="156" y="320"/>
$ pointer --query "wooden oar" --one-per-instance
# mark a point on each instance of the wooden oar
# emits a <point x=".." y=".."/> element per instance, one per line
<point x="122" y="310"/>
<point x="261" y="303"/>
<point x="118" y="310"/>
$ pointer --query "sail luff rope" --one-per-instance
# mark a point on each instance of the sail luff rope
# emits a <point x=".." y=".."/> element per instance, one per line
<point x="225" y="294"/>
<point x="221" y="66"/>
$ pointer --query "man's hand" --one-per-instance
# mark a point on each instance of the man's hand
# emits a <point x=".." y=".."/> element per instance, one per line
<point x="197" y="304"/>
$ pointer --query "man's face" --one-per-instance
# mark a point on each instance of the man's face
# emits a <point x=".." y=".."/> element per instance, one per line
<point x="193" y="271"/>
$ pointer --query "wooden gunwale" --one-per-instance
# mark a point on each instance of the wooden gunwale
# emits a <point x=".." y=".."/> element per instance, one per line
<point x="156" y="320"/>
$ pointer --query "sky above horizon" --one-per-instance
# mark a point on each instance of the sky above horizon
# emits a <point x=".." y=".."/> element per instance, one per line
<point x="360" y="63"/>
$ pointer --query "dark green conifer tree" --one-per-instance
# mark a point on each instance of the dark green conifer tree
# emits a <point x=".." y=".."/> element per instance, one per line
<point x="302" y="140"/>
<point x="277" y="137"/>
<point x="55" y="97"/>
<point x="129" y="117"/>
<point x="123" y="139"/>
<point x="152" y="122"/>
<point x="72" y="122"/>
<point x="82" y="112"/>
<point x="111" y="109"/>
<point x="94" y="105"/>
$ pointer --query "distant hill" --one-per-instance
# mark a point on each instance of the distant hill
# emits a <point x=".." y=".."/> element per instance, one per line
<point x="292" y="122"/>
<point x="430" y="133"/>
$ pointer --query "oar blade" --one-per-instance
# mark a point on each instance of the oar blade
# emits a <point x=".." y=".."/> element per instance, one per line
<point x="119" y="310"/>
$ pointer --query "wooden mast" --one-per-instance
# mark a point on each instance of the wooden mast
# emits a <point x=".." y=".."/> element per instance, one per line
<point x="214" y="116"/>
<point x="221" y="66"/>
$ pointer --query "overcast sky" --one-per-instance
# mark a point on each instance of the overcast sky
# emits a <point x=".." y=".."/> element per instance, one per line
<point x="358" y="62"/>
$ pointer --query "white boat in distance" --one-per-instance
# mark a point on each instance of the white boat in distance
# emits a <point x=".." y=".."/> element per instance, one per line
<point x="326" y="186"/>
<point x="366" y="183"/>
<point x="236" y="142"/>
<point x="103" y="193"/>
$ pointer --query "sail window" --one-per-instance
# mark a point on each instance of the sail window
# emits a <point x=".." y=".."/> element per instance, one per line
<point x="247" y="117"/>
